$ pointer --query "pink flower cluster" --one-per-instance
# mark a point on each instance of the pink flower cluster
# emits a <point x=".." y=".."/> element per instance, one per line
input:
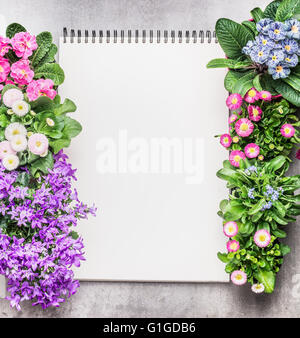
<point x="20" y="73"/>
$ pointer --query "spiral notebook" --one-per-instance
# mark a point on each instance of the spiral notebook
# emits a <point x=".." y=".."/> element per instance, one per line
<point x="147" y="155"/>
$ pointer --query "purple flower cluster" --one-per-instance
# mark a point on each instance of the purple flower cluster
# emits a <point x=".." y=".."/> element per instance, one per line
<point x="38" y="246"/>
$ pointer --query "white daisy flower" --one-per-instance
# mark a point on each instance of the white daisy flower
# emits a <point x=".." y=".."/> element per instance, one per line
<point x="50" y="122"/>
<point x="9" y="111"/>
<point x="14" y="129"/>
<point x="10" y="162"/>
<point x="257" y="288"/>
<point x="20" y="108"/>
<point x="18" y="143"/>
<point x="33" y="113"/>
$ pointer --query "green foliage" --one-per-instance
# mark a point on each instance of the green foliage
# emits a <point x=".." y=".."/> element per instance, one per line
<point x="232" y="37"/>
<point x="257" y="14"/>
<point x="227" y="63"/>
<point x="287" y="9"/>
<point x="51" y="71"/>
<point x="13" y="29"/>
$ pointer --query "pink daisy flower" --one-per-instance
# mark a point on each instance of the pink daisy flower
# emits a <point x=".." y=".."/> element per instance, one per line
<point x="251" y="96"/>
<point x="235" y="157"/>
<point x="6" y="149"/>
<point x="21" y="72"/>
<point x="252" y="150"/>
<point x="244" y="127"/>
<point x="37" y="88"/>
<point x="262" y="238"/>
<point x="265" y="95"/>
<point x="234" y="101"/>
<point x="287" y="130"/>
<point x="38" y="144"/>
<point x="255" y="113"/>
<point x="230" y="229"/>
<point x="261" y="157"/>
<point x="23" y="44"/>
<point x="238" y="277"/>
<point x="4" y="69"/>
<point x="233" y="246"/>
<point x="225" y="140"/>
<point x="232" y="118"/>
<point x="4" y="45"/>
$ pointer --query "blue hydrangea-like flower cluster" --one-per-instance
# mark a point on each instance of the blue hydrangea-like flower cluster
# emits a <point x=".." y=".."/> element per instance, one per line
<point x="276" y="46"/>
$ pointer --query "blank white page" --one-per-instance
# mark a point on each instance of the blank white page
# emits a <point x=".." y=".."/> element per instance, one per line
<point x="147" y="157"/>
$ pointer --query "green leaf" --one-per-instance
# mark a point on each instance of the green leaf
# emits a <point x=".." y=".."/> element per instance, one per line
<point x="223" y="257"/>
<point x="244" y="83"/>
<point x="4" y="122"/>
<point x="59" y="144"/>
<point x="251" y="26"/>
<point x="74" y="234"/>
<point x="44" y="42"/>
<point x="50" y="55"/>
<point x="287" y="92"/>
<point x="293" y="81"/>
<point x="279" y="233"/>
<point x="287" y="9"/>
<point x="276" y="163"/>
<point x="257" y="14"/>
<point x="42" y="164"/>
<point x="285" y="249"/>
<point x="13" y="29"/>
<point x="72" y="127"/>
<point x="23" y="178"/>
<point x="257" y="207"/>
<point x="67" y="107"/>
<point x="232" y="37"/>
<point x="267" y="83"/>
<point x="256" y="83"/>
<point x="43" y="103"/>
<point x="267" y="278"/>
<point x="228" y="63"/>
<point x="234" y="213"/>
<point x="51" y="71"/>
<point x="271" y="9"/>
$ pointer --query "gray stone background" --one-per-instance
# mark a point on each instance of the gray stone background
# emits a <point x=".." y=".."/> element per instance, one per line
<point x="105" y="299"/>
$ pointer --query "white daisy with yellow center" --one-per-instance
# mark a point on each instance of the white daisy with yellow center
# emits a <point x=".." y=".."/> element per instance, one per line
<point x="258" y="288"/>
<point x="50" y="122"/>
<point x="11" y="162"/>
<point x="18" y="143"/>
<point x="20" y="108"/>
<point x="14" y="129"/>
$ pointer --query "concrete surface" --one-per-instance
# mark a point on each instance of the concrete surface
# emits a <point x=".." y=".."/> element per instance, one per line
<point x="97" y="299"/>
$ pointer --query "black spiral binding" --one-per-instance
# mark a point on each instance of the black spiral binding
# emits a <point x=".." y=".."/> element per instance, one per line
<point x="129" y="36"/>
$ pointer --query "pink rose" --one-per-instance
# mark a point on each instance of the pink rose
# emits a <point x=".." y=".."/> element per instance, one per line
<point x="4" y="69"/>
<point x="40" y="87"/>
<point x="4" y="45"/>
<point x="23" y="44"/>
<point x="21" y="72"/>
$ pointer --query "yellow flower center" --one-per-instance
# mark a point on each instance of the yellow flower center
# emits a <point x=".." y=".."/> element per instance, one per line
<point x="16" y="132"/>
<point x="38" y="143"/>
<point x="234" y="100"/>
<point x="237" y="158"/>
<point x="279" y="69"/>
<point x="288" y="47"/>
<point x="276" y="31"/>
<point x="251" y="93"/>
<point x="244" y="127"/>
<point x="18" y="142"/>
<point x="287" y="130"/>
<point x="251" y="150"/>
<point x="261" y="53"/>
<point x="10" y="161"/>
<point x="255" y="112"/>
<point x="230" y="229"/>
<point x="235" y="139"/>
<point x="264" y="42"/>
<point x="1" y="69"/>
<point x="288" y="59"/>
<point x="294" y="29"/>
<point x="274" y="57"/>
<point x="239" y="277"/>
<point x="262" y="238"/>
<point x="233" y="246"/>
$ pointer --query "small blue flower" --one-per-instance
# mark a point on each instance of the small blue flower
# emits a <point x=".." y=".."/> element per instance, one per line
<point x="291" y="60"/>
<point x="270" y="189"/>
<point x="265" y="41"/>
<point x="277" y="31"/>
<point x="275" y="196"/>
<point x="290" y="46"/>
<point x="268" y="205"/>
<point x="260" y="54"/>
<point x="280" y="71"/>
<point x="275" y="57"/>
<point x="263" y="26"/>
<point x="250" y="193"/>
<point x="249" y="46"/>
<point x="280" y="189"/>
<point x="293" y="29"/>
